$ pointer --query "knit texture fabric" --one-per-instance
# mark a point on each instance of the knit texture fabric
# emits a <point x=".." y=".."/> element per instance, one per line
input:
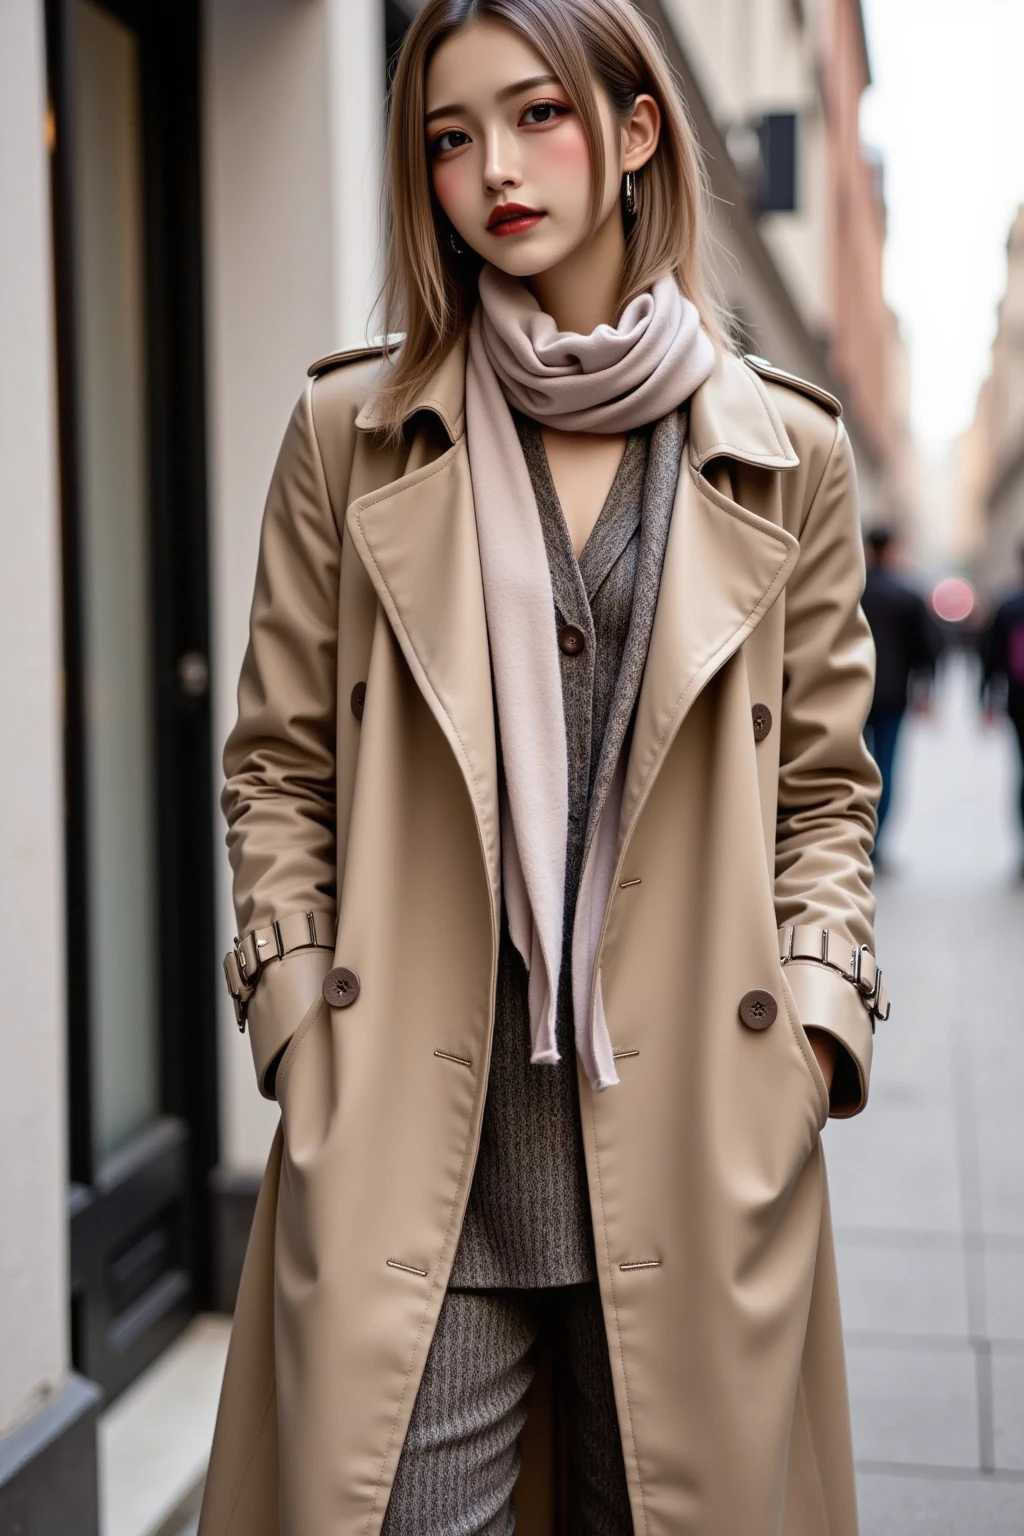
<point x="527" y="1222"/>
<point x="614" y="380"/>
<point x="460" y="1458"/>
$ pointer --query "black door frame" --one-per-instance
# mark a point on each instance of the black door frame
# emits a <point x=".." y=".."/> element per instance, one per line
<point x="140" y="1219"/>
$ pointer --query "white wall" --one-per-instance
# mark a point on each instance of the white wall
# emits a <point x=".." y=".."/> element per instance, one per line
<point x="293" y="104"/>
<point x="33" y="1189"/>
<point x="355" y="99"/>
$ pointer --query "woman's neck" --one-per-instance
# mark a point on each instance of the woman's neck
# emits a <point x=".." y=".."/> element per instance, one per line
<point x="582" y="292"/>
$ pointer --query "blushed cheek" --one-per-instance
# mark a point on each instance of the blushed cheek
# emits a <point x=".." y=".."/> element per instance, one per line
<point x="569" y="150"/>
<point x="562" y="167"/>
<point x="448" y="187"/>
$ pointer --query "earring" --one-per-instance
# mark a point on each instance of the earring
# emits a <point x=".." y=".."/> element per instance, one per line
<point x="460" y="250"/>
<point x="630" y="194"/>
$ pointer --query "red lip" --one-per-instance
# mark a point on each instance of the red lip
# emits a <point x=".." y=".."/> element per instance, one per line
<point x="507" y="210"/>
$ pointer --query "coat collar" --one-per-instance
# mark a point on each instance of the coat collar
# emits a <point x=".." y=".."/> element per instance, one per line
<point x="731" y="415"/>
<point x="724" y="567"/>
<point x="443" y="395"/>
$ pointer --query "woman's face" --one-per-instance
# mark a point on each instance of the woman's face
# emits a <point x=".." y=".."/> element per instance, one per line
<point x="502" y="131"/>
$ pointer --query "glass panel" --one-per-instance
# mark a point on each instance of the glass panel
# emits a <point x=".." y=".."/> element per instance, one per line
<point x="119" y="702"/>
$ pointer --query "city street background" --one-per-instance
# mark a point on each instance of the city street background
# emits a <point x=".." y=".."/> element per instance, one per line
<point x="928" y="1198"/>
<point x="188" y="218"/>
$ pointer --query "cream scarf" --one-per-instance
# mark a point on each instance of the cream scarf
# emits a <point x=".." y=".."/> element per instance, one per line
<point x="617" y="378"/>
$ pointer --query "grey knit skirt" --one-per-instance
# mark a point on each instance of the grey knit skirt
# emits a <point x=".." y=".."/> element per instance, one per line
<point x="460" y="1459"/>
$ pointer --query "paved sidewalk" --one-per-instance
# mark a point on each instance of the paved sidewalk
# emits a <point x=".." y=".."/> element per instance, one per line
<point x="928" y="1184"/>
<point x="154" y="1440"/>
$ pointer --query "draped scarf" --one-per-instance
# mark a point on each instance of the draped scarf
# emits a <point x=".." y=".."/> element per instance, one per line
<point x="613" y="380"/>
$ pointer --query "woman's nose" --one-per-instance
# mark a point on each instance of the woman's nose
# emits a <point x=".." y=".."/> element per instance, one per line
<point x="501" y="168"/>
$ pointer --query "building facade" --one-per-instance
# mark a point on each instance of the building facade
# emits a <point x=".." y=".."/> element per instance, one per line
<point x="785" y="79"/>
<point x="992" y="451"/>
<point x="860" y="337"/>
<point x="758" y="59"/>
<point x="188" y="216"/>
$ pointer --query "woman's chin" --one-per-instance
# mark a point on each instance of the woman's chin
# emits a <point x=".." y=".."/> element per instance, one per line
<point x="525" y="258"/>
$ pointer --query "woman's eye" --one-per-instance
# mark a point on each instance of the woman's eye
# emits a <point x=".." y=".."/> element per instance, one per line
<point x="545" y="111"/>
<point x="444" y="140"/>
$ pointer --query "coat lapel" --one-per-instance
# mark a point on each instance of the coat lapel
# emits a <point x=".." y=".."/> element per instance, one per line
<point x="417" y="540"/>
<point x="724" y="567"/>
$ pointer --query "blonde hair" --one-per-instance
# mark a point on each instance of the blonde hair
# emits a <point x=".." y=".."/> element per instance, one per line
<point x="429" y="290"/>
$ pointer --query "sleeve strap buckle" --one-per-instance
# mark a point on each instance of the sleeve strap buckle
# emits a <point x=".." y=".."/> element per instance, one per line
<point x="855" y="962"/>
<point x="251" y="953"/>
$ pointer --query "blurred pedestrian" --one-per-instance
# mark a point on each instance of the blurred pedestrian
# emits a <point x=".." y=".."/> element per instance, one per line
<point x="907" y="648"/>
<point x="1002" y="667"/>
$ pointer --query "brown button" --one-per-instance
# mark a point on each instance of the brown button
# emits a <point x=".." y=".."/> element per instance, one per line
<point x="762" y="718"/>
<point x="358" y="700"/>
<point x="571" y="640"/>
<point x="758" y="1010"/>
<point x="341" y="987"/>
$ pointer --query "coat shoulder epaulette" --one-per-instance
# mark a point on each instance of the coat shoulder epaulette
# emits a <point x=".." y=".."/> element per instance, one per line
<point x="814" y="392"/>
<point x="351" y="355"/>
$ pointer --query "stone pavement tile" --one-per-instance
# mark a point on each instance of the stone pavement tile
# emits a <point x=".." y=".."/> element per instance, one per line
<point x="920" y="949"/>
<point x="1001" y="1169"/>
<point x="990" y="1019"/>
<point x="895" y="1167"/>
<point x="191" y="1529"/>
<point x="913" y="1406"/>
<point x="921" y="978"/>
<point x="998" y="1062"/>
<point x="1008" y="1410"/>
<point x="1004" y="1293"/>
<point x="919" y="1506"/>
<point x="154" y="1440"/>
<point x="953" y="820"/>
<point x="913" y="1062"/>
<point x="899" y="1289"/>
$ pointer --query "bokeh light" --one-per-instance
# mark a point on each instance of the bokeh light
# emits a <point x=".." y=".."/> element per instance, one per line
<point x="953" y="599"/>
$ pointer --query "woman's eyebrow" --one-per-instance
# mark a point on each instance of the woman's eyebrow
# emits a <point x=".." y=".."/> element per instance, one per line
<point x="503" y="95"/>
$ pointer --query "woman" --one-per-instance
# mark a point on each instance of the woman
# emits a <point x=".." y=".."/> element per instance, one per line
<point x="550" y="819"/>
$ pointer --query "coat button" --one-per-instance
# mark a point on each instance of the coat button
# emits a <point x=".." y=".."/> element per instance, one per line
<point x="758" y="1010"/>
<point x="341" y="987"/>
<point x="762" y="718"/>
<point x="358" y="700"/>
<point x="571" y="640"/>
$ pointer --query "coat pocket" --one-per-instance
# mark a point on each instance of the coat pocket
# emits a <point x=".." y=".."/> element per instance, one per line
<point x="814" y="1072"/>
<point x="306" y="1086"/>
<point x="302" y="1030"/>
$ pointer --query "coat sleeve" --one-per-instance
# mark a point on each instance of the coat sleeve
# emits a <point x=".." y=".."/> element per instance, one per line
<point x="279" y="760"/>
<point x="828" y="783"/>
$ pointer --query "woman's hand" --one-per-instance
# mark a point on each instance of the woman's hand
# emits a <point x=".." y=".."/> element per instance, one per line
<point x="825" y="1048"/>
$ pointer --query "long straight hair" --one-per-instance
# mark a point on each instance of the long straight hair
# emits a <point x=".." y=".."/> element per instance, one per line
<point x="429" y="289"/>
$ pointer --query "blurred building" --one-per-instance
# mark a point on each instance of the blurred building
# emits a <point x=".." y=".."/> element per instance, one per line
<point x="784" y="81"/>
<point x="757" y="68"/>
<point x="188" y="217"/>
<point x="992" y="451"/>
<point x="900" y="499"/>
<point x="860" y="331"/>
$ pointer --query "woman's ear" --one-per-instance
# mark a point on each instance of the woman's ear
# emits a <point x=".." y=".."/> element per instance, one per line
<point x="640" y="133"/>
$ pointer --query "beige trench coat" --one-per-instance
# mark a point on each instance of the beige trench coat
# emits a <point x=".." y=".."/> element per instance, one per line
<point x="706" y="1174"/>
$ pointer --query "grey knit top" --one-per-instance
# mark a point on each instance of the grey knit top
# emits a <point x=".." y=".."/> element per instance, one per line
<point x="528" y="1218"/>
